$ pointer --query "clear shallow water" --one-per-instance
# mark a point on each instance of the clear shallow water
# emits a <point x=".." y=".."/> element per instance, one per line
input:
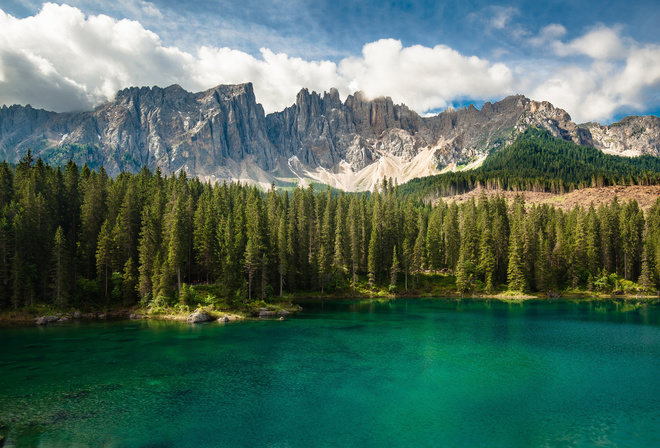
<point x="401" y="373"/>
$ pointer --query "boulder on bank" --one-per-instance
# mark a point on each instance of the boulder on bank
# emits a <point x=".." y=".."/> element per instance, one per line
<point x="43" y="320"/>
<point x="199" y="316"/>
<point x="135" y="316"/>
<point x="77" y="314"/>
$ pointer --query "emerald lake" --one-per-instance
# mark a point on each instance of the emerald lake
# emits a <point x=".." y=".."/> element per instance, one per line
<point x="398" y="373"/>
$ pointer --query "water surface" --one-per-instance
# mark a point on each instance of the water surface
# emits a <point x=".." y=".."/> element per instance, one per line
<point x="400" y="373"/>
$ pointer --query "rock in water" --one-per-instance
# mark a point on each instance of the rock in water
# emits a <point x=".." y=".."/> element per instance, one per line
<point x="199" y="316"/>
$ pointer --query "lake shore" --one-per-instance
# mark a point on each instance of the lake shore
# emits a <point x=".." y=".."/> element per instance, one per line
<point x="30" y="315"/>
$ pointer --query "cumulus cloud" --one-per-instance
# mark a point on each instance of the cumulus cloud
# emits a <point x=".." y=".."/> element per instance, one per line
<point x="60" y="59"/>
<point x="60" y="50"/>
<point x="599" y="43"/>
<point x="424" y="78"/>
<point x="277" y="78"/>
<point x="608" y="73"/>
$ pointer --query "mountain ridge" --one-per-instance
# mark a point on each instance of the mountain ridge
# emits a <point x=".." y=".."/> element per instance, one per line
<point x="223" y="134"/>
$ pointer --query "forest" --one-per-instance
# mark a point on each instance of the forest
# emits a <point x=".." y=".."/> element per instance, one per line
<point x="539" y="162"/>
<point x="75" y="237"/>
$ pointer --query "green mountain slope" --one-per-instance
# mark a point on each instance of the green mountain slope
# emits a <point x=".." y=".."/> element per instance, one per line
<point x="536" y="161"/>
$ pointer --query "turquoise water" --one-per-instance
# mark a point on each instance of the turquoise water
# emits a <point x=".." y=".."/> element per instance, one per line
<point x="401" y="373"/>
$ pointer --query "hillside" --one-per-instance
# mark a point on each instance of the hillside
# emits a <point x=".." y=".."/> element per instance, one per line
<point x="538" y="162"/>
<point x="644" y="195"/>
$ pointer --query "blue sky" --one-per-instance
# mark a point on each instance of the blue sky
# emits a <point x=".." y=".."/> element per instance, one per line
<point x="598" y="60"/>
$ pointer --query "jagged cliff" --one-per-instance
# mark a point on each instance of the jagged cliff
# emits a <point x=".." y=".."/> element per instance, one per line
<point x="223" y="133"/>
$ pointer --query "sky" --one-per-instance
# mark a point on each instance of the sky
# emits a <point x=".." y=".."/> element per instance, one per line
<point x="598" y="60"/>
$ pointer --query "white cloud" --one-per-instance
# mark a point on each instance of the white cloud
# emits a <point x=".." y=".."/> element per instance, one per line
<point x="62" y="60"/>
<point x="548" y="34"/>
<point x="424" y="78"/>
<point x="501" y="16"/>
<point x="600" y="43"/>
<point x="90" y="58"/>
<point x="608" y="73"/>
<point x="277" y="78"/>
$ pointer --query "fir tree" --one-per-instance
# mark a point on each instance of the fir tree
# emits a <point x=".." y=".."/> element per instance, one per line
<point x="394" y="270"/>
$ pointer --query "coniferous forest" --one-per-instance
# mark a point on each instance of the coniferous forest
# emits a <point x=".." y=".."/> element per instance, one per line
<point x="539" y="162"/>
<point x="72" y="236"/>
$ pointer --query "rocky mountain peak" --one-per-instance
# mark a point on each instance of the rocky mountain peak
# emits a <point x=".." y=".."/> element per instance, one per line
<point x="223" y="133"/>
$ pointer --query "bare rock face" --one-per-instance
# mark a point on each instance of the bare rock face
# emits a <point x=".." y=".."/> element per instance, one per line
<point x="153" y="127"/>
<point x="223" y="134"/>
<point x="632" y="136"/>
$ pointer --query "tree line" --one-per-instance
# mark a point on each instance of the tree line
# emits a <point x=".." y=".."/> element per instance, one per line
<point x="74" y="237"/>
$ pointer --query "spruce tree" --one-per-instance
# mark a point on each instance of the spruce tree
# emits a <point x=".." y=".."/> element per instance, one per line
<point x="394" y="270"/>
<point x="59" y="272"/>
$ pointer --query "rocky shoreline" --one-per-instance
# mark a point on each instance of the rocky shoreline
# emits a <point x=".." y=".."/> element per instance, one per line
<point x="199" y="315"/>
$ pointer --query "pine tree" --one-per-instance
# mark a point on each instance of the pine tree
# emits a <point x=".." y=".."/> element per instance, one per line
<point x="418" y="251"/>
<point x="646" y="278"/>
<point x="251" y="263"/>
<point x="104" y="255"/>
<point x="354" y="239"/>
<point x="374" y="256"/>
<point x="59" y="273"/>
<point x="452" y="236"/>
<point x="516" y="271"/>
<point x="129" y="282"/>
<point x="282" y="245"/>
<point x="177" y="237"/>
<point x="461" y="273"/>
<point x="339" y="258"/>
<point x="487" y="259"/>
<point x="394" y="270"/>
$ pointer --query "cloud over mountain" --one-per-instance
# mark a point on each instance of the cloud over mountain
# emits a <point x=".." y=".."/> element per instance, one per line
<point x="63" y="60"/>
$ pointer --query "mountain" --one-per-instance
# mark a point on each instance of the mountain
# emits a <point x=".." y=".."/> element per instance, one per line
<point x="538" y="162"/>
<point x="223" y="133"/>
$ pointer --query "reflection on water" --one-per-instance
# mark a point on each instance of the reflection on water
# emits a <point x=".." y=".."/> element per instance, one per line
<point x="393" y="373"/>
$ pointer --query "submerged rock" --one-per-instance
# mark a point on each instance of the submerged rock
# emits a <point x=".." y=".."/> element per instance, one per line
<point x="229" y="317"/>
<point x="199" y="316"/>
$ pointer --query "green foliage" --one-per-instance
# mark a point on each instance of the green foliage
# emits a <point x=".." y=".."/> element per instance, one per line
<point x="537" y="161"/>
<point x="78" y="237"/>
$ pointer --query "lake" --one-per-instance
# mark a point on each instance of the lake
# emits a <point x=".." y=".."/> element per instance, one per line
<point x="398" y="373"/>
